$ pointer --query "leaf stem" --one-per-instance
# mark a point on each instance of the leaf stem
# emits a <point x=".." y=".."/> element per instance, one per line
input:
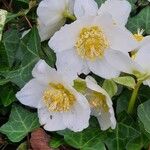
<point x="29" y="23"/>
<point x="134" y="97"/>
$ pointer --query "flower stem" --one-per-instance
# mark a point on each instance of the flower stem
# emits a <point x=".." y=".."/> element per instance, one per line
<point x="68" y="15"/>
<point x="134" y="97"/>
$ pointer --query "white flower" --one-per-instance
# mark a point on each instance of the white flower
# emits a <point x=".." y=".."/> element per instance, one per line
<point x="138" y="65"/>
<point x="119" y="9"/>
<point x="59" y="105"/>
<point x="52" y="15"/>
<point x="85" y="44"/>
<point x="101" y="104"/>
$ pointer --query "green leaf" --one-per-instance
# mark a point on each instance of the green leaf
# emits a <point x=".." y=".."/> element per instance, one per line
<point x="4" y="81"/>
<point x="118" y="138"/>
<point x="137" y="143"/>
<point x="144" y="92"/>
<point x="126" y="81"/>
<point x="144" y="115"/>
<point x="20" y="123"/>
<point x="7" y="95"/>
<point x="28" y="57"/>
<point x="89" y="139"/>
<point x="80" y="85"/>
<point x="142" y="129"/>
<point x="21" y="3"/>
<point x="111" y="87"/>
<point x="3" y="56"/>
<point x="11" y="43"/>
<point x="99" y="2"/>
<point x="23" y="146"/>
<point x="48" y="54"/>
<point x="142" y="21"/>
<point x="133" y="2"/>
<point x="56" y="142"/>
<point x="123" y="100"/>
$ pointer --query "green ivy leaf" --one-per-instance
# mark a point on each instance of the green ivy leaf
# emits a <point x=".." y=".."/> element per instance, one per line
<point x="118" y="138"/>
<point x="3" y="56"/>
<point x="22" y="3"/>
<point x="111" y="87"/>
<point x="86" y="140"/>
<point x="56" y="142"/>
<point x="48" y="55"/>
<point x="7" y="95"/>
<point x="126" y="81"/>
<point x="144" y="115"/>
<point x="99" y="2"/>
<point x="142" y="21"/>
<point x="123" y="100"/>
<point x="89" y="139"/>
<point x="142" y="129"/>
<point x="137" y="143"/>
<point x="11" y="43"/>
<point x="20" y="123"/>
<point x="132" y="2"/>
<point x="28" y="57"/>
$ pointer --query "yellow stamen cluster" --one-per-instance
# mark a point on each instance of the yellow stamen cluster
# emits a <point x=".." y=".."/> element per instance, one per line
<point x="57" y="98"/>
<point x="98" y="101"/>
<point x="138" y="37"/>
<point x="133" y="54"/>
<point x="91" y="43"/>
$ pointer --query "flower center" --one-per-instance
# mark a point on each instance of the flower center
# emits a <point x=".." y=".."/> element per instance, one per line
<point x="134" y="54"/>
<point x="57" y="98"/>
<point x="138" y="37"/>
<point x="98" y="101"/>
<point x="91" y="43"/>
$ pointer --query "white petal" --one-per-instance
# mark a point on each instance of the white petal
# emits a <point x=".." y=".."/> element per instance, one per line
<point x="143" y="57"/>
<point x="147" y="82"/>
<point x="51" y="11"/>
<point x="85" y="7"/>
<point x="44" y="73"/>
<point x="92" y="85"/>
<point x="145" y="41"/>
<point x="119" y="9"/>
<point x="122" y="62"/>
<point x="66" y="37"/>
<point x="70" y="64"/>
<point x="107" y="120"/>
<point x="102" y="68"/>
<point x="105" y="21"/>
<point x="78" y="117"/>
<point x="46" y="31"/>
<point x="31" y="93"/>
<point x="121" y="39"/>
<point x="52" y="121"/>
